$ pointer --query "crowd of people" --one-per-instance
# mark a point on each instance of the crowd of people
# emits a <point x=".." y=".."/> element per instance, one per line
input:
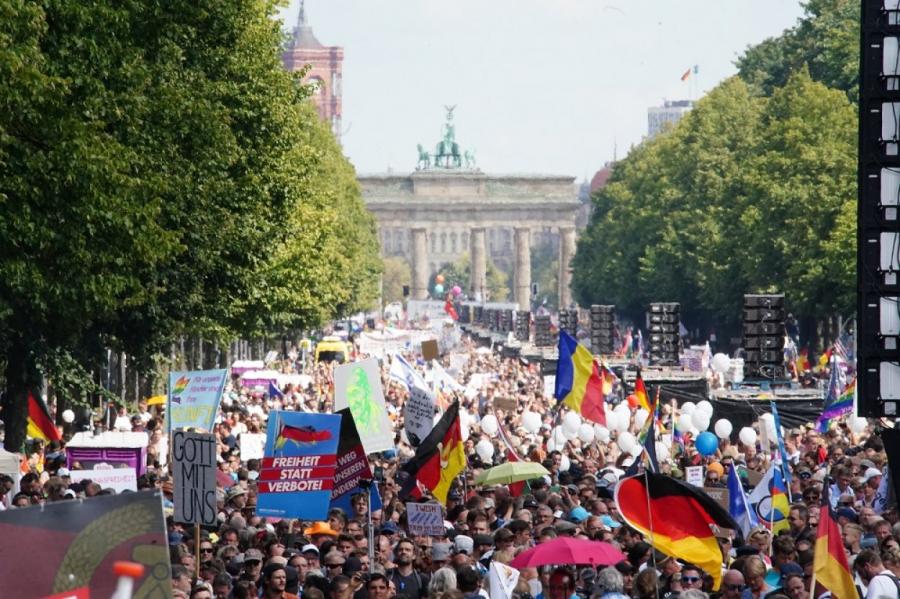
<point x="342" y="557"/>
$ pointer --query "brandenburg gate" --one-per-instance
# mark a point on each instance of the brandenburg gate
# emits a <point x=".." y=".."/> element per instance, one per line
<point x="448" y="206"/>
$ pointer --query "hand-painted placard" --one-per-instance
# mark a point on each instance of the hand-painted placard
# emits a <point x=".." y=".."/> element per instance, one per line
<point x="194" y="398"/>
<point x="358" y="386"/>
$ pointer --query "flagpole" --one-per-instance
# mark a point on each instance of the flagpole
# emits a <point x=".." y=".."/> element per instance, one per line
<point x="650" y="520"/>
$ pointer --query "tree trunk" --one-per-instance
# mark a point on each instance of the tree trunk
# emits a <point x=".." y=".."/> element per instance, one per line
<point x="21" y="376"/>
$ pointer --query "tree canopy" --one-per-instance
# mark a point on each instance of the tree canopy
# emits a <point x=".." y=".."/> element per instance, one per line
<point x="161" y="174"/>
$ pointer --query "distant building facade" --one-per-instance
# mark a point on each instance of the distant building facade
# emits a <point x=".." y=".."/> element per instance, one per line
<point x="326" y="70"/>
<point x="660" y="118"/>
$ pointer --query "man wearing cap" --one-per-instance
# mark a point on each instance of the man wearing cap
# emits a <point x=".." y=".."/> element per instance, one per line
<point x="440" y="555"/>
<point x="463" y="547"/>
<point x="311" y="553"/>
<point x="408" y="581"/>
<point x="252" y="565"/>
<point x="274" y="578"/>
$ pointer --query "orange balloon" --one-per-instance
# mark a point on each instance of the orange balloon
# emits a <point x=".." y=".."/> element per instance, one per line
<point x="439" y="279"/>
<point x="632" y="401"/>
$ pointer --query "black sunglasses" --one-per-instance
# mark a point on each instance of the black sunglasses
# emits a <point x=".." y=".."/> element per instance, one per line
<point x="690" y="579"/>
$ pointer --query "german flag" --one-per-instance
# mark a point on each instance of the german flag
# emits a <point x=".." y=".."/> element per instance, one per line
<point x="830" y="563"/>
<point x="678" y="519"/>
<point x="439" y="458"/>
<point x="40" y="424"/>
<point x="640" y="392"/>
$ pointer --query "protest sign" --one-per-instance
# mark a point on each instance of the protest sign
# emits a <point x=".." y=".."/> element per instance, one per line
<point x="117" y="479"/>
<point x="418" y="415"/>
<point x="194" y="398"/>
<point x="719" y="494"/>
<point x="65" y="546"/>
<point x="425" y="519"/>
<point x="694" y="475"/>
<point x="358" y="386"/>
<point x="252" y="446"/>
<point x="430" y="350"/>
<point x="194" y="461"/>
<point x="352" y="467"/>
<point x="507" y="404"/>
<point x="298" y="469"/>
<point x="549" y="385"/>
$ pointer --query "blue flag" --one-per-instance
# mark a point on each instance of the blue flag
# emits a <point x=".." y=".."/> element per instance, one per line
<point x="785" y="464"/>
<point x="738" y="506"/>
<point x="274" y="391"/>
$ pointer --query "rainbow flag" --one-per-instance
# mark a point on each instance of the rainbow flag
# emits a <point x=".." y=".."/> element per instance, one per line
<point x="578" y="381"/>
<point x="836" y="405"/>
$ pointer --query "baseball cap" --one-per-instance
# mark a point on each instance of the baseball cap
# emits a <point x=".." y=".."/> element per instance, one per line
<point x="847" y="512"/>
<point x="310" y="548"/>
<point x="483" y="539"/>
<point x="63" y="472"/>
<point x="790" y="568"/>
<point x="869" y="474"/>
<point x="253" y="555"/>
<point x="440" y="552"/>
<point x="609" y="521"/>
<point x="463" y="544"/>
<point x="578" y="514"/>
<point x="530" y="504"/>
<point x="389" y="527"/>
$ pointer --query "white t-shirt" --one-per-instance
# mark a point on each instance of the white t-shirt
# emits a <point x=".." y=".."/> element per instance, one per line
<point x="882" y="587"/>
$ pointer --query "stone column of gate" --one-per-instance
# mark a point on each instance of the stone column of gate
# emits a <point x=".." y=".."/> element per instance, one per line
<point x="522" y="272"/>
<point x="419" y="264"/>
<point x="478" y="271"/>
<point x="566" y="251"/>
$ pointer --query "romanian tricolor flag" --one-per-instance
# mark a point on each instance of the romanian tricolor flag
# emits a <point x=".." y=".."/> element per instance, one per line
<point x="830" y="565"/>
<point x="40" y="425"/>
<point x="640" y="392"/>
<point x="439" y="458"/>
<point x="648" y="503"/>
<point x="578" y="381"/>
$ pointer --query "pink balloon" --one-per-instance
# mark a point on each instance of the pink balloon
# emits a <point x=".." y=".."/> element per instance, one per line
<point x="456" y="290"/>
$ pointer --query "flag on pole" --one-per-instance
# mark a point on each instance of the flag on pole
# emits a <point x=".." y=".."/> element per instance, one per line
<point x="402" y="372"/>
<point x="837" y="403"/>
<point x="686" y="75"/>
<point x="578" y="381"/>
<point x="274" y="391"/>
<point x="738" y="506"/>
<point x="439" y="459"/>
<point x="830" y="565"/>
<point x="769" y="499"/>
<point x="40" y="424"/>
<point x="640" y="392"/>
<point x="785" y="461"/>
<point x="502" y="580"/>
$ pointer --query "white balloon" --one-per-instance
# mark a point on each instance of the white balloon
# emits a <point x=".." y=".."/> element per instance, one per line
<point x="705" y="407"/>
<point x="720" y="363"/>
<point x="622" y="421"/>
<point x="661" y="450"/>
<point x="551" y="444"/>
<point x="485" y="450"/>
<point x="572" y="421"/>
<point x="858" y="425"/>
<point x="559" y="435"/>
<point x="465" y="423"/>
<point x="640" y="417"/>
<point x="489" y="425"/>
<point x="531" y="421"/>
<point x="747" y="436"/>
<point x="68" y="416"/>
<point x="723" y="428"/>
<point x="684" y="422"/>
<point x="564" y="463"/>
<point x="688" y="407"/>
<point x="568" y="432"/>
<point x="586" y="433"/>
<point x="700" y="420"/>
<point x="622" y="407"/>
<point x="626" y="441"/>
<point x="601" y="433"/>
<point x="636" y="449"/>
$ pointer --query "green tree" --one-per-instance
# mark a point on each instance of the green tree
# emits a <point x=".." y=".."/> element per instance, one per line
<point x="397" y="274"/>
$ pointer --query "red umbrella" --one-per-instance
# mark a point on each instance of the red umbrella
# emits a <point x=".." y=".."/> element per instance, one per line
<point x="566" y="550"/>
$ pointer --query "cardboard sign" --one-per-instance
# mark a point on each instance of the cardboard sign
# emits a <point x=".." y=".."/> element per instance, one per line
<point x="430" y="350"/>
<point x="194" y="398"/>
<point x="358" y="386"/>
<point x="425" y="519"/>
<point x="298" y="470"/>
<point x="719" y="494"/>
<point x="117" y="479"/>
<point x="418" y="415"/>
<point x="194" y="459"/>
<point x="252" y="446"/>
<point x="694" y="475"/>
<point x="352" y="468"/>
<point x="507" y="404"/>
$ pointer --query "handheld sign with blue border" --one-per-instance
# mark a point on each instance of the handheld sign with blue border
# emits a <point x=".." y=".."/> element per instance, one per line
<point x="194" y="398"/>
<point x="298" y="469"/>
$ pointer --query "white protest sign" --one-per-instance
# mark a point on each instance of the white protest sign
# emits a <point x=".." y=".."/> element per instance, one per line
<point x="358" y="386"/>
<point x="418" y="415"/>
<point x="252" y="446"/>
<point x="194" y="458"/>
<point x="425" y="519"/>
<point x="694" y="475"/>
<point x="117" y="479"/>
<point x="549" y="385"/>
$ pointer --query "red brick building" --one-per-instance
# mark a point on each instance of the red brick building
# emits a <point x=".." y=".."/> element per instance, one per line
<point x="326" y="64"/>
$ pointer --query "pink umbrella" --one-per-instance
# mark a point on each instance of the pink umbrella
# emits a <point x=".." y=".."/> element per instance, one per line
<point x="566" y="550"/>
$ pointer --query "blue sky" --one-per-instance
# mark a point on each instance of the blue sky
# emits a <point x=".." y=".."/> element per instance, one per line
<point x="541" y="86"/>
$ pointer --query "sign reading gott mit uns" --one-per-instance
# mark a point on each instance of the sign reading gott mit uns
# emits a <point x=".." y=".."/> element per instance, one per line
<point x="194" y="457"/>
